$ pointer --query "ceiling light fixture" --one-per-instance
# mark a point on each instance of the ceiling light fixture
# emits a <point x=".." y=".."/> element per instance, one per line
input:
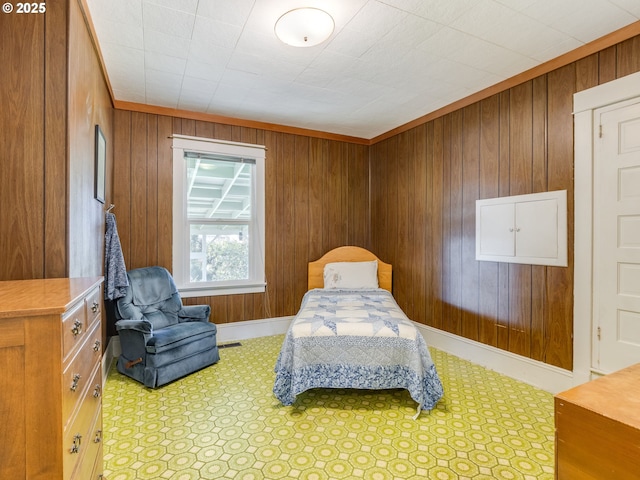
<point x="304" y="27"/>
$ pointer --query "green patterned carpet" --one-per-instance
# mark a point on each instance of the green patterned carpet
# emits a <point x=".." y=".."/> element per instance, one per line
<point x="224" y="423"/>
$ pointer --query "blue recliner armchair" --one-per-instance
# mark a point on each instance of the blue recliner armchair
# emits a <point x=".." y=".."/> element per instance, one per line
<point x="161" y="339"/>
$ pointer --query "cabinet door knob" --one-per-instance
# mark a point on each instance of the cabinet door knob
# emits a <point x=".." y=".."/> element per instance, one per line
<point x="98" y="437"/>
<point x="96" y="346"/>
<point x="97" y="391"/>
<point x="94" y="307"/>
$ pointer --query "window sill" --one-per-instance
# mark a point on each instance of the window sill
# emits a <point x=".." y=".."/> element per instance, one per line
<point x="212" y="291"/>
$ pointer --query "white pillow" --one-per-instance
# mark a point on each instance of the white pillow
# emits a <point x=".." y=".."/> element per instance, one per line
<point x="351" y="275"/>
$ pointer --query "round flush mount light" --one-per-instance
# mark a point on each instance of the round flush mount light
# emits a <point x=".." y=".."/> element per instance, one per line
<point x="304" y="27"/>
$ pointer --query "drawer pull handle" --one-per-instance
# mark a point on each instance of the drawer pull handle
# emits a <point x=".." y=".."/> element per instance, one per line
<point x="77" y="440"/>
<point x="77" y="328"/>
<point x="98" y="437"/>
<point x="97" y="391"/>
<point x="74" y="384"/>
<point x="94" y="307"/>
<point x="96" y="346"/>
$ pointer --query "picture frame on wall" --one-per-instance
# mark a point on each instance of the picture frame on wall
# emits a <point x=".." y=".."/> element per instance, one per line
<point x="100" y="164"/>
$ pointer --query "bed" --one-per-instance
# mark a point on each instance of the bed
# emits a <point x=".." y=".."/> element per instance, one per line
<point x="351" y="333"/>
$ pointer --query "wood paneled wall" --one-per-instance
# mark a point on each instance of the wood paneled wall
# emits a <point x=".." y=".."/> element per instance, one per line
<point x="52" y="94"/>
<point x="89" y="105"/>
<point x="33" y="169"/>
<point x="317" y="198"/>
<point x="424" y="184"/>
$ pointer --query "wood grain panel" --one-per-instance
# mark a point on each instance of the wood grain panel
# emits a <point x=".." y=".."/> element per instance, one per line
<point x="271" y="228"/>
<point x="405" y="194"/>
<point x="152" y="190"/>
<point x="301" y="217"/>
<point x="628" y="57"/>
<point x="165" y="185"/>
<point x="420" y="170"/>
<point x="436" y="270"/>
<point x="448" y="313"/>
<point x="358" y="194"/>
<point x="455" y="225"/>
<point x="55" y="123"/>
<point x="586" y="72"/>
<point x="379" y="200"/>
<point x="559" y="328"/>
<point x="470" y="193"/>
<point x="539" y="184"/>
<point x="504" y="189"/>
<point x="139" y="192"/>
<point x="316" y="198"/>
<point x="122" y="179"/>
<point x="520" y="182"/>
<point x="607" y="65"/>
<point x="488" y="188"/>
<point x="286" y="223"/>
<point x="21" y="135"/>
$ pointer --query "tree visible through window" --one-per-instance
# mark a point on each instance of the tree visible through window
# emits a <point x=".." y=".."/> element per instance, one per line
<point x="227" y="258"/>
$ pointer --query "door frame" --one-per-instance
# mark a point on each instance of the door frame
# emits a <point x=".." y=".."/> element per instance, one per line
<point x="584" y="105"/>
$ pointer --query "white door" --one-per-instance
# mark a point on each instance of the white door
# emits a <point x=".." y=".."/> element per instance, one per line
<point x="616" y="339"/>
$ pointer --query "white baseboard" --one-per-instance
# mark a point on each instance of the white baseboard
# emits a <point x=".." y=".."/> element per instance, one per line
<point x="541" y="375"/>
<point x="232" y="332"/>
<point x="538" y="374"/>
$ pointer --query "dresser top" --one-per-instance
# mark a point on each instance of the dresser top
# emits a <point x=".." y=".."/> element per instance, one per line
<point x="615" y="396"/>
<point x="21" y="298"/>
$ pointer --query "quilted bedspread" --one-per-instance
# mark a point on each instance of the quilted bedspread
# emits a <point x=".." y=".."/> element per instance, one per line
<point x="355" y="339"/>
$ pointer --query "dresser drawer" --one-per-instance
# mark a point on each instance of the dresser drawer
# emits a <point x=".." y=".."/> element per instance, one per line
<point x="90" y="466"/>
<point x="79" y="435"/>
<point x="93" y="307"/>
<point x="76" y="377"/>
<point x="74" y="327"/>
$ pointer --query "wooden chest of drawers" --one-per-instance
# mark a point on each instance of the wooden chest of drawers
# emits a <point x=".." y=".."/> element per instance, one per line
<point x="598" y="428"/>
<point x="51" y="379"/>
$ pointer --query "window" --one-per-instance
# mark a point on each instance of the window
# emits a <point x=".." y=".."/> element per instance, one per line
<point x="218" y="217"/>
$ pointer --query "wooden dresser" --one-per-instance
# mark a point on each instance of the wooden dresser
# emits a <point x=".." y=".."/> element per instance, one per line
<point x="598" y="428"/>
<point x="51" y="379"/>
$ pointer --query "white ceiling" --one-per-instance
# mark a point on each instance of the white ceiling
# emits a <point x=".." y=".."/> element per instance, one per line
<point x="387" y="62"/>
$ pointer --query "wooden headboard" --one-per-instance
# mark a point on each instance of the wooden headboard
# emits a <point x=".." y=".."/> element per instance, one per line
<point x="347" y="254"/>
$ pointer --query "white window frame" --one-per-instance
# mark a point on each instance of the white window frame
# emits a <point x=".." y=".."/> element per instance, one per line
<point x="181" y="232"/>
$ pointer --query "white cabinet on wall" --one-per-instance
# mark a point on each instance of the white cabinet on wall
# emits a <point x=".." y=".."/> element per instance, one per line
<point x="530" y="229"/>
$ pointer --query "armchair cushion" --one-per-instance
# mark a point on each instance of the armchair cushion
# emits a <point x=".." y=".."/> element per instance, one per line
<point x="177" y="335"/>
<point x="151" y="285"/>
<point x="194" y="313"/>
<point x="142" y="326"/>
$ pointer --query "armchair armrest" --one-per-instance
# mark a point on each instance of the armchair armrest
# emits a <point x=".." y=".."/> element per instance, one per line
<point x="194" y="313"/>
<point x="142" y="326"/>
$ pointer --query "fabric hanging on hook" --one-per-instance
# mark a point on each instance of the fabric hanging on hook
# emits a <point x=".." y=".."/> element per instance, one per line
<point x="115" y="270"/>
